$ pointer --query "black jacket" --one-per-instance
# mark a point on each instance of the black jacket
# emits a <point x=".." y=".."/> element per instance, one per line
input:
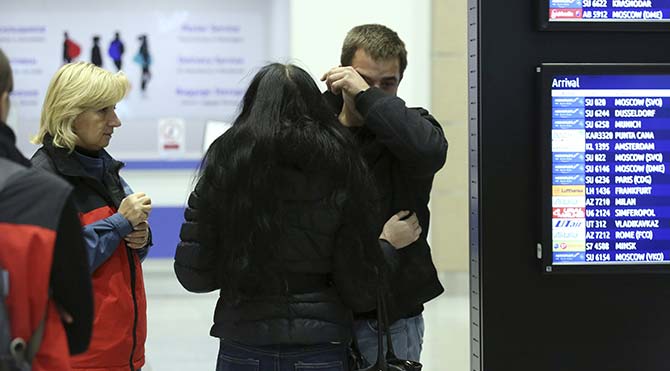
<point x="8" y="148"/>
<point x="323" y="269"/>
<point x="404" y="148"/>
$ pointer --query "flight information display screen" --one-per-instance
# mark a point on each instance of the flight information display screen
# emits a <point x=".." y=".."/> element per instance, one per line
<point x="604" y="14"/>
<point x="608" y="156"/>
<point x="609" y="10"/>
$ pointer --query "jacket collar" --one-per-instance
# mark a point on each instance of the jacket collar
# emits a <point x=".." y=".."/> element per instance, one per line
<point x="370" y="148"/>
<point x="68" y="165"/>
<point x="7" y="133"/>
<point x="8" y="146"/>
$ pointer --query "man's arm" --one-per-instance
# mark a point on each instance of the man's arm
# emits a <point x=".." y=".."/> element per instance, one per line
<point x="413" y="136"/>
<point x="400" y="231"/>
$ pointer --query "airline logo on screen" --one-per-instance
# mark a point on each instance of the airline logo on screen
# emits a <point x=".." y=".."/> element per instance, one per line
<point x="574" y="190"/>
<point x="560" y="224"/>
<point x="569" y="257"/>
<point x="568" y="113"/>
<point x="571" y="135"/>
<point x="567" y="102"/>
<point x="569" y="179"/>
<point x="570" y="141"/>
<point x="565" y="14"/>
<point x="569" y="168"/>
<point x="567" y="124"/>
<point x="569" y="157"/>
<point x="569" y="212"/>
<point x="575" y="234"/>
<point x="563" y="4"/>
<point x="569" y="246"/>
<point x="568" y="202"/>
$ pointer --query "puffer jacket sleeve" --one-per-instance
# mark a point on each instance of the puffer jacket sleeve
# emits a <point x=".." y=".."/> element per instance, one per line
<point x="194" y="263"/>
<point x="413" y="136"/>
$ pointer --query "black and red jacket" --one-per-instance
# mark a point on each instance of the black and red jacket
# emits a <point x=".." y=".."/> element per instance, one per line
<point x="28" y="224"/>
<point x="119" y="328"/>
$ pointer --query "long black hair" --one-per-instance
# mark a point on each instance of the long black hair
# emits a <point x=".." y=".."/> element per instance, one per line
<point x="284" y="123"/>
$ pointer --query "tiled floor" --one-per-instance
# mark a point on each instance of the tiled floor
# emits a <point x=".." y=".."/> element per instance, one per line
<point x="179" y="325"/>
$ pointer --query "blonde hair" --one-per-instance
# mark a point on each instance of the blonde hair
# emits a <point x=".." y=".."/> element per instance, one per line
<point x="75" y="88"/>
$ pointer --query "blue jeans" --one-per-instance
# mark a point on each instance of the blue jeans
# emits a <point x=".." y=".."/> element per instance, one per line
<point x="406" y="334"/>
<point x="238" y="357"/>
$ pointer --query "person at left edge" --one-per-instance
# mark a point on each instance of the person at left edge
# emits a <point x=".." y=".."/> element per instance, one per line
<point x="77" y="123"/>
<point x="43" y="253"/>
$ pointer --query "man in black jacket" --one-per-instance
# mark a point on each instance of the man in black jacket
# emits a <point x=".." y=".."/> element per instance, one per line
<point x="70" y="280"/>
<point x="404" y="148"/>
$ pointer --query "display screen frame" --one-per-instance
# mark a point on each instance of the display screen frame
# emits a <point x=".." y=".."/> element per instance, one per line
<point x="546" y="72"/>
<point x="633" y="26"/>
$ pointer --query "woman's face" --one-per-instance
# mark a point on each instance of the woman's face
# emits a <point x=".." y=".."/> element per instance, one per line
<point x="94" y="128"/>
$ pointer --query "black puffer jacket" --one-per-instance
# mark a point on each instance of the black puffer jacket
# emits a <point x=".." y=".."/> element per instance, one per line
<point x="320" y="260"/>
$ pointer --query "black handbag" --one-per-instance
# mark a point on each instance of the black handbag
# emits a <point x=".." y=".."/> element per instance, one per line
<point x="388" y="362"/>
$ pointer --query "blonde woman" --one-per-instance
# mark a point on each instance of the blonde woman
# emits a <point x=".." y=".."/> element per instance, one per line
<point x="77" y="123"/>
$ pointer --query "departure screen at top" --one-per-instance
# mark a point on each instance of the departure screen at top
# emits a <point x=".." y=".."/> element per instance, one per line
<point x="645" y="11"/>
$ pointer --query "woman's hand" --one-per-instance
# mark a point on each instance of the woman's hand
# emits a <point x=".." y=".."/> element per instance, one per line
<point x="139" y="237"/>
<point x="136" y="208"/>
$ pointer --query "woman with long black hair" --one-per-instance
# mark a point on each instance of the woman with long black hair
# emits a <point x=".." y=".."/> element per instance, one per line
<point x="282" y="222"/>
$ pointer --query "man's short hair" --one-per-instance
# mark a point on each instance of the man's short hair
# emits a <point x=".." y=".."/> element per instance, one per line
<point x="75" y="88"/>
<point x="6" y="80"/>
<point x="380" y="42"/>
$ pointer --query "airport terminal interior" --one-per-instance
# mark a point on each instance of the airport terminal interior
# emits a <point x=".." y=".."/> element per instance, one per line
<point x="169" y="120"/>
<point x="551" y="202"/>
